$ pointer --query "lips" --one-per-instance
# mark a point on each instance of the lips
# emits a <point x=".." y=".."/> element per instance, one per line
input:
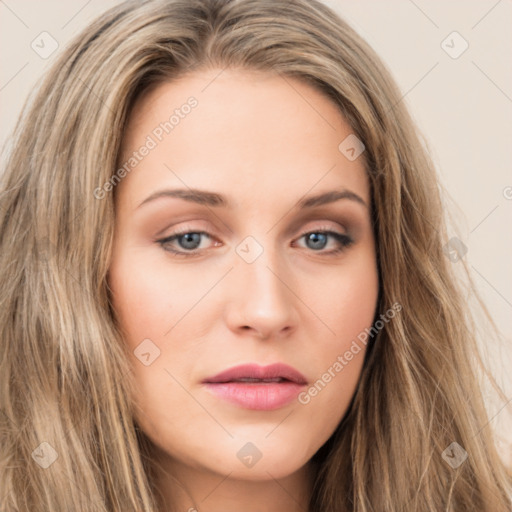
<point x="261" y="388"/>
<point x="277" y="372"/>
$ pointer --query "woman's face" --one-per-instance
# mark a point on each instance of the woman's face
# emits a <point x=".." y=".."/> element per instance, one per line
<point x="267" y="275"/>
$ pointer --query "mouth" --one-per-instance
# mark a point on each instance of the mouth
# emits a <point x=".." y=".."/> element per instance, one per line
<point x="256" y="387"/>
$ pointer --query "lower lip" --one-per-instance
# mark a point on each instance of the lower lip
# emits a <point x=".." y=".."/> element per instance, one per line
<point x="259" y="397"/>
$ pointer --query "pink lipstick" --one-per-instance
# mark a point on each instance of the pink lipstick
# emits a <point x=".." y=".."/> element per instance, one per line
<point x="262" y="388"/>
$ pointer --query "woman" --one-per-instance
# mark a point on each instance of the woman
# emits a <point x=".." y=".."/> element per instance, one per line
<point x="311" y="352"/>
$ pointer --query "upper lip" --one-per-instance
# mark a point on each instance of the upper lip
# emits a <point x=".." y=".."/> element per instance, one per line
<point x="254" y="371"/>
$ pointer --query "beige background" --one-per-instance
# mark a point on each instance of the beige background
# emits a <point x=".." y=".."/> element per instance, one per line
<point x="463" y="105"/>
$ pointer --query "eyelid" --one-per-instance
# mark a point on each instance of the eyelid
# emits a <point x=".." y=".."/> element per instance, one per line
<point x="332" y="226"/>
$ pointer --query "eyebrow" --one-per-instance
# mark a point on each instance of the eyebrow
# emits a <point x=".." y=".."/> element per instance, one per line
<point x="214" y="199"/>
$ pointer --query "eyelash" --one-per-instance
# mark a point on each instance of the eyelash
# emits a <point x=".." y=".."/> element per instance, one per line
<point x="344" y="240"/>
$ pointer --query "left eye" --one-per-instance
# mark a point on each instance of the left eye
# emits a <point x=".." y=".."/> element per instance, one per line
<point x="190" y="240"/>
<point x="319" y="239"/>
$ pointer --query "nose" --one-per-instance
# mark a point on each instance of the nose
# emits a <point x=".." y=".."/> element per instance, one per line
<point x="262" y="298"/>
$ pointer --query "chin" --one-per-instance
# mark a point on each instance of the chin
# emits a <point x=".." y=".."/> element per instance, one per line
<point x="261" y="460"/>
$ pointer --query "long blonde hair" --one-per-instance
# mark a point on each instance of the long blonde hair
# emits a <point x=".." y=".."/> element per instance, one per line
<point x="68" y="440"/>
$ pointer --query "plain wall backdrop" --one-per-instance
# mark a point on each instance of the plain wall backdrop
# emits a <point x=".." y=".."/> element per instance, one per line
<point x="452" y="63"/>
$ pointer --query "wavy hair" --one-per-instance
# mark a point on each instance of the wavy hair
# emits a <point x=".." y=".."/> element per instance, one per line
<point x="64" y="393"/>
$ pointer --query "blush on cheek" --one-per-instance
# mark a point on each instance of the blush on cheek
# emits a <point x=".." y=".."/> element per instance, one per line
<point x="139" y="299"/>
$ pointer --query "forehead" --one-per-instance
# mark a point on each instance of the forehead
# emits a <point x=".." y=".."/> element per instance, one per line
<point x="250" y="134"/>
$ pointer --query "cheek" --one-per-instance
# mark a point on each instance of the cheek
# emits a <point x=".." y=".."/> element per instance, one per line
<point x="347" y="307"/>
<point x="346" y="304"/>
<point x="147" y="307"/>
<point x="148" y="298"/>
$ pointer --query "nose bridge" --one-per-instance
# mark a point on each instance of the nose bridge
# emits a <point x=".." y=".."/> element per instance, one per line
<point x="263" y="296"/>
<point x="260" y="266"/>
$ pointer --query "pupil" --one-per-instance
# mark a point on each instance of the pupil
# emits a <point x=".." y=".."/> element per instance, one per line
<point x="316" y="238"/>
<point x="191" y="240"/>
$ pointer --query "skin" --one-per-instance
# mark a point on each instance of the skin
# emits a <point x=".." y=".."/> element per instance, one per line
<point x="264" y="142"/>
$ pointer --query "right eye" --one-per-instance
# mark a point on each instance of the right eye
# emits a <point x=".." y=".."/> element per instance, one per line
<point x="188" y="241"/>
